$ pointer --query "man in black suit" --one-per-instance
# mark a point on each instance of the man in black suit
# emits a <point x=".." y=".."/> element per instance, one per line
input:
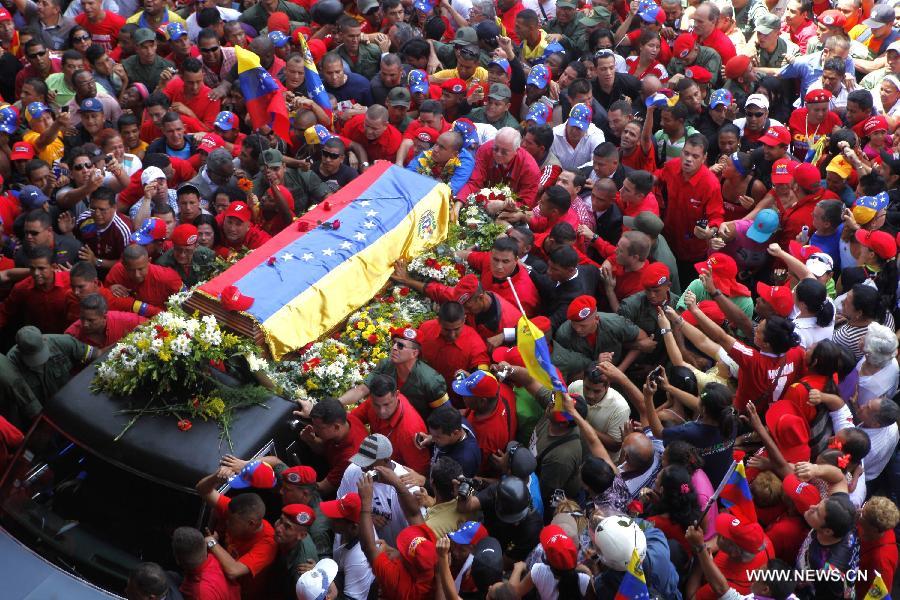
<point x="608" y="221"/>
<point x="525" y="239"/>
<point x="606" y="165"/>
<point x="565" y="280"/>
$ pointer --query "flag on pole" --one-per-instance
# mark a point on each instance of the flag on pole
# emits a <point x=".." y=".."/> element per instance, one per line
<point x="536" y="355"/>
<point x="263" y="94"/>
<point x="879" y="590"/>
<point x="736" y="496"/>
<point x="314" y="86"/>
<point x="634" y="585"/>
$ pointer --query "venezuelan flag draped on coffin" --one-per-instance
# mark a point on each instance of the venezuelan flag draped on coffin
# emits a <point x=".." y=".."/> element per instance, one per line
<point x="333" y="260"/>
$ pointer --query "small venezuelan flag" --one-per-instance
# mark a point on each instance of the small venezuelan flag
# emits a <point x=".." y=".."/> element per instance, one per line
<point x="536" y="355"/>
<point x="736" y="496"/>
<point x="262" y="94"/>
<point x="879" y="590"/>
<point x="314" y="86"/>
<point x="634" y="585"/>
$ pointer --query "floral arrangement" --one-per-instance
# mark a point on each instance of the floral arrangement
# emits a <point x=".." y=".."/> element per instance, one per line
<point x="437" y="267"/>
<point x="425" y="165"/>
<point x="500" y="193"/>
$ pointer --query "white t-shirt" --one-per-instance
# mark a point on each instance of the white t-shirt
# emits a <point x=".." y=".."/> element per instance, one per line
<point x="884" y="441"/>
<point x="882" y="383"/>
<point x="385" y="502"/>
<point x="546" y="583"/>
<point x="358" y="575"/>
<point x="549" y="7"/>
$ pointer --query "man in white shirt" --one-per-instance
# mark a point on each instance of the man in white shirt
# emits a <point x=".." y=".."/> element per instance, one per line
<point x="574" y="141"/>
<point x="878" y="418"/>
<point x="608" y="410"/>
<point x="348" y="553"/>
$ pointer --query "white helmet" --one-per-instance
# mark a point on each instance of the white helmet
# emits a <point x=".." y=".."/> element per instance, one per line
<point x="616" y="538"/>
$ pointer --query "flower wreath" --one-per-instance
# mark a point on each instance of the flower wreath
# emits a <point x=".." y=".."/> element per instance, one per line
<point x="426" y="166"/>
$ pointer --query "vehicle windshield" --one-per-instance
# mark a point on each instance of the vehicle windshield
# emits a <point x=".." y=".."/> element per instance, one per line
<point x="87" y="515"/>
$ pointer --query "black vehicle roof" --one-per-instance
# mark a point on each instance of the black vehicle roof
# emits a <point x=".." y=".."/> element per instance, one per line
<point x="154" y="446"/>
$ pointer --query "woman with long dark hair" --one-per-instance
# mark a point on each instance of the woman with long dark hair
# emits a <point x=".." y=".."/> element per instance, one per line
<point x="682" y="454"/>
<point x="673" y="504"/>
<point x="815" y="321"/>
<point x="862" y="305"/>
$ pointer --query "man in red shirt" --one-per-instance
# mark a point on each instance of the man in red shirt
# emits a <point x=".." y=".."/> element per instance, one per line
<point x="238" y="231"/>
<point x="334" y="435"/>
<point x="203" y="575"/>
<point x="40" y="64"/>
<point x="878" y="544"/>
<point x="136" y="277"/>
<point x="706" y="20"/>
<point x="503" y="161"/>
<point x="388" y="412"/>
<point x="625" y="266"/>
<point x="103" y="25"/>
<point x="491" y="411"/>
<point x="808" y="191"/>
<point x="499" y="265"/>
<point x="555" y="206"/>
<point x="100" y="327"/>
<point x="738" y="540"/>
<point x="83" y="281"/>
<point x="636" y="195"/>
<point x="690" y="192"/>
<point x="798" y="24"/>
<point x="374" y="133"/>
<point x="39" y="300"/>
<point x="507" y="10"/>
<point x="812" y="122"/>
<point x="188" y="93"/>
<point x="449" y="345"/>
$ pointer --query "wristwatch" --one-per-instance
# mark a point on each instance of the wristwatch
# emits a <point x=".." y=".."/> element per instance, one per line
<point x="210" y="544"/>
<point x="664" y="331"/>
<point x="99" y="263"/>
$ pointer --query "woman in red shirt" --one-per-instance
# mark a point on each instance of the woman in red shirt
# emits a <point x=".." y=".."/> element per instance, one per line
<point x="647" y="60"/>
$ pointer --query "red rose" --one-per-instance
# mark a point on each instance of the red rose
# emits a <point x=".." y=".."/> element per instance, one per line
<point x="326" y="205"/>
<point x="271" y="261"/>
<point x="404" y="291"/>
<point x="184" y="424"/>
<point x="372" y="339"/>
<point x="460" y="268"/>
<point x="195" y="403"/>
<point x="219" y="365"/>
<point x="336" y="335"/>
<point x="335" y="224"/>
<point x="302" y="226"/>
<point x="432" y="263"/>
<point x="390" y="299"/>
<point x="316" y="362"/>
<point x="161" y="332"/>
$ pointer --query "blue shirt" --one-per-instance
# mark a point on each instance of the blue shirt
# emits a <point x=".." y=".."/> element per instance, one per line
<point x="808" y="69"/>
<point x="356" y="88"/>
<point x="466" y="452"/>
<point x="830" y="245"/>
<point x="460" y="176"/>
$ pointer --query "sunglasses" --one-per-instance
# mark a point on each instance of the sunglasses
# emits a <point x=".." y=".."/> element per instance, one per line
<point x="401" y="345"/>
<point x="210" y="50"/>
<point x="332" y="155"/>
<point x="603" y="53"/>
<point x="756" y="115"/>
<point x="81" y="38"/>
<point x="32" y="233"/>
<point x="81" y="167"/>
<point x="38" y="54"/>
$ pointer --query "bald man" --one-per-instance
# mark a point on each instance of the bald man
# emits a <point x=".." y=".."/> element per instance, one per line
<point x="448" y="148"/>
<point x="642" y="454"/>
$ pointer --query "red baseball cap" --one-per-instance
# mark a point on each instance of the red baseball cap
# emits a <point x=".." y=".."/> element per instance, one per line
<point x="560" y="549"/>
<point x="21" y="151"/>
<point x="807" y="176"/>
<point x="804" y="495"/>
<point x="238" y="210"/>
<point x="346" y="507"/>
<point x="301" y="475"/>
<point x="880" y="242"/>
<point x="777" y="135"/>
<point x="416" y="546"/>
<point x="427" y="134"/>
<point x="783" y="171"/>
<point x="655" y="275"/>
<point x="778" y="296"/>
<point x="232" y="299"/>
<point x="708" y="308"/>
<point x="791" y="434"/>
<point x="299" y="513"/>
<point x="748" y="536"/>
<point x="581" y="308"/>
<point x="465" y="288"/>
<point x="801" y="252"/>
<point x="4" y="15"/>
<point x="210" y="142"/>
<point x="184" y="235"/>
<point x="875" y="123"/>
<point x="724" y="272"/>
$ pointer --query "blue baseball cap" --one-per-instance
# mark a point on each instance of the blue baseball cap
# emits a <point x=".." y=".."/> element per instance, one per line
<point x="256" y="474"/>
<point x="580" y="116"/>
<point x="539" y="76"/>
<point x="279" y="40"/>
<point x="503" y="64"/>
<point x="418" y="82"/>
<point x="175" y="31"/>
<point x="466" y="128"/>
<point x="9" y="119"/>
<point x="479" y="384"/>
<point x="764" y="225"/>
<point x="657" y="99"/>
<point x="720" y="98"/>
<point x="423" y="5"/>
<point x="470" y="532"/>
<point x="35" y="110"/>
<point x="90" y="105"/>
<point x="31" y="197"/>
<point x="540" y="113"/>
<point x="226" y="120"/>
<point x="652" y="14"/>
<point x="553" y="47"/>
<point x="151" y="230"/>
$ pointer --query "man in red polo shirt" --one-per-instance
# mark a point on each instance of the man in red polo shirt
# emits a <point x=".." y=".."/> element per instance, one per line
<point x="188" y="93"/>
<point x="83" y="281"/>
<point x="238" y="231"/>
<point x="334" y="435"/>
<point x="449" y="345"/>
<point x="555" y="206"/>
<point x="622" y="270"/>
<point x="636" y="195"/>
<point x="690" y="192"/>
<point x="491" y="411"/>
<point x="39" y="300"/>
<point x="808" y="191"/>
<point x="103" y="25"/>
<point x="100" y="327"/>
<point x="374" y="133"/>
<point x="135" y="276"/>
<point x="498" y="265"/>
<point x="203" y="575"/>
<point x="798" y="24"/>
<point x="388" y="412"/>
<point x="706" y="20"/>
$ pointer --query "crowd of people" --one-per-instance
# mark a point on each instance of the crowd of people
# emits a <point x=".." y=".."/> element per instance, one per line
<point x="702" y="220"/>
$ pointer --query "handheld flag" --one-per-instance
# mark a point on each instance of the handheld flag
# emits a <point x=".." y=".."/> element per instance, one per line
<point x="535" y="353"/>
<point x="736" y="495"/>
<point x="879" y="590"/>
<point x="262" y="94"/>
<point x="314" y="86"/>
<point x="634" y="584"/>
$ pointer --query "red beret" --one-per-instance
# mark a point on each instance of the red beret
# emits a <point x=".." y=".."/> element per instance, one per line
<point x="684" y="43"/>
<point x="455" y="85"/>
<point x="655" y="274"/>
<point x="581" y="308"/>
<point x="709" y="308"/>
<point x="301" y="475"/>
<point x="405" y="332"/>
<point x="737" y="66"/>
<point x="465" y="288"/>
<point x="815" y="96"/>
<point x="698" y="74"/>
<point x="299" y="513"/>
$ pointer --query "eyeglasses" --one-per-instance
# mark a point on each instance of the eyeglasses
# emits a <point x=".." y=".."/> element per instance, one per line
<point x="331" y="155"/>
<point x="401" y="345"/>
<point x="81" y="38"/>
<point x="33" y="233"/>
<point x="37" y="54"/>
<point x="81" y="166"/>
<point x="210" y="50"/>
<point x="756" y="115"/>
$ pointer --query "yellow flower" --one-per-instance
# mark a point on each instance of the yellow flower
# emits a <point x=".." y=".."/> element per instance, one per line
<point x="311" y="385"/>
<point x="143" y="344"/>
<point x="165" y="356"/>
<point x="360" y="325"/>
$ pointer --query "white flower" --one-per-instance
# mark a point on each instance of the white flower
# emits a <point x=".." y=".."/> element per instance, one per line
<point x="156" y="345"/>
<point x="181" y="345"/>
<point x="211" y="337"/>
<point x="256" y="363"/>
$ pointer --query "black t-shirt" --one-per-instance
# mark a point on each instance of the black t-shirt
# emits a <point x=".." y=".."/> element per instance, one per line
<point x="517" y="540"/>
<point x="65" y="251"/>
<point x="344" y="175"/>
<point x="624" y="86"/>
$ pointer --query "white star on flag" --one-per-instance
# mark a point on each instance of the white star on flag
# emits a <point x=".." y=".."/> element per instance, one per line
<point x="360" y="236"/>
<point x="346" y="245"/>
<point x="307" y="256"/>
<point x="328" y="252"/>
<point x="287" y="256"/>
<point x="371" y="214"/>
<point x="369" y="224"/>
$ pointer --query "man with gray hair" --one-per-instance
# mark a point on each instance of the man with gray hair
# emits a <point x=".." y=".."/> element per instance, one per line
<point x="706" y="20"/>
<point x="503" y="161"/>
<point x="202" y="573"/>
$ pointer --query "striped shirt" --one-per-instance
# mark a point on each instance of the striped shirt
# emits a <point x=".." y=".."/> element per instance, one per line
<point x="107" y="243"/>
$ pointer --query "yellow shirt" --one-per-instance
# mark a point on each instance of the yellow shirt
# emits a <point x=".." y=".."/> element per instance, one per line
<point x="479" y="76"/>
<point x="174" y="17"/>
<point x="53" y="151"/>
<point x="531" y="55"/>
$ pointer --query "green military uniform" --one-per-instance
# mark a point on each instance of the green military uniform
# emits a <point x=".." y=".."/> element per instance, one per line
<point x="257" y="17"/>
<point x="320" y="531"/>
<point x="367" y="63"/>
<point x="707" y="58"/>
<point x="19" y="405"/>
<point x="507" y="120"/>
<point x="661" y="252"/>
<point x="776" y="58"/>
<point x="575" y="32"/>
<point x="573" y="354"/>
<point x="303" y="552"/>
<point x="306" y="187"/>
<point x="559" y="467"/>
<point x="146" y="74"/>
<point x="403" y="124"/>
<point x="636" y="309"/>
<point x="66" y="355"/>
<point x="425" y="388"/>
<point x="446" y="54"/>
<point x="202" y="265"/>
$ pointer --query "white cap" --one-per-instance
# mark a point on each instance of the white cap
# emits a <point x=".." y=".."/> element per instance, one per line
<point x="757" y="100"/>
<point x="616" y="538"/>
<point x="313" y="585"/>
<point x="151" y="174"/>
<point x="895" y="46"/>
<point x="820" y="263"/>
